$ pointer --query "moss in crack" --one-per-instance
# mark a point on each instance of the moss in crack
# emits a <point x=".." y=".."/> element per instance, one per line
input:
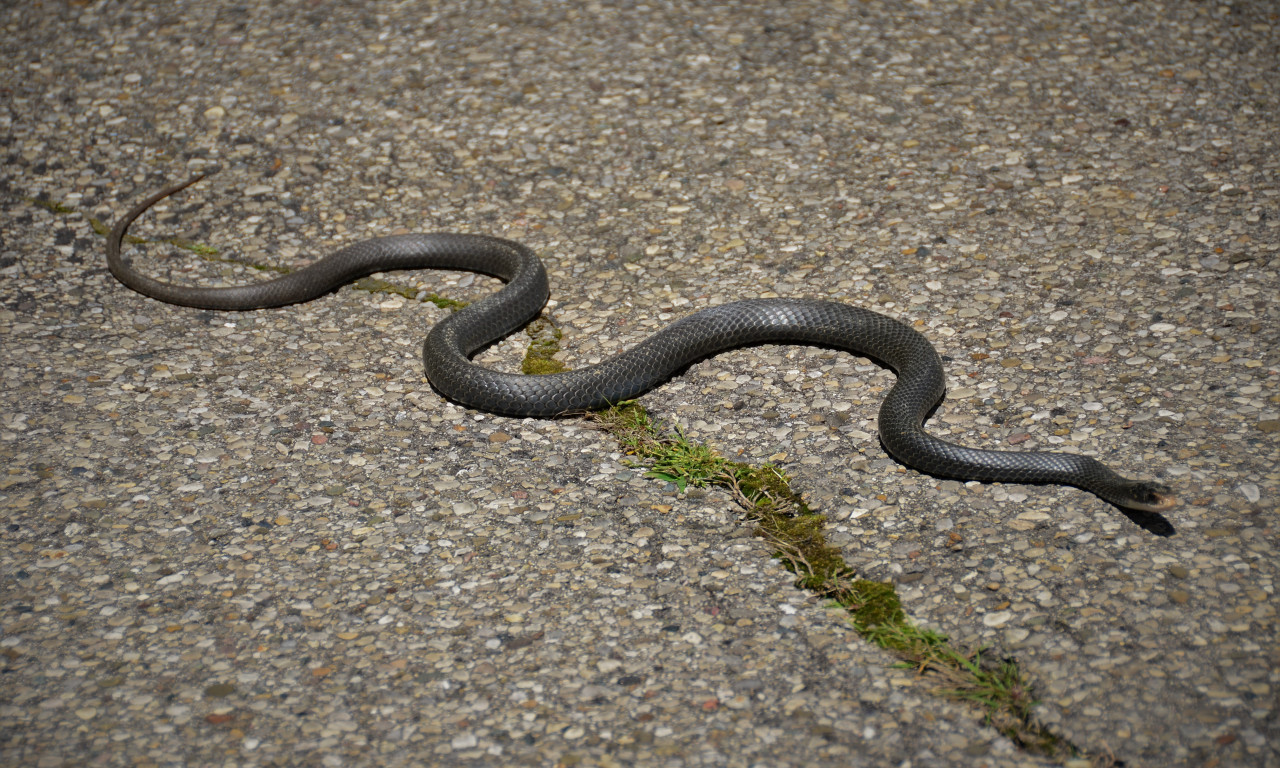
<point x="872" y="604"/>
<point x="207" y="252"/>
<point x="49" y="205"/>
<point x="539" y="359"/>
<point x="377" y="285"/>
<point x="873" y="608"/>
<point x="210" y="254"/>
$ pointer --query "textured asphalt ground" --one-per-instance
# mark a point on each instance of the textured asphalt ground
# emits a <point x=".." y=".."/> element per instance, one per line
<point x="261" y="539"/>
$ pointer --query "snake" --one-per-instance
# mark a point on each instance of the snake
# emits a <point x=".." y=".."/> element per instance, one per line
<point x="451" y="343"/>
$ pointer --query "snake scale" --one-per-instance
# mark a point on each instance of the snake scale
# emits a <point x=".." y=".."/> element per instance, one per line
<point x="446" y="353"/>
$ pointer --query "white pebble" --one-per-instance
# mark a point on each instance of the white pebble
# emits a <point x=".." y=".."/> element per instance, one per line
<point x="997" y="619"/>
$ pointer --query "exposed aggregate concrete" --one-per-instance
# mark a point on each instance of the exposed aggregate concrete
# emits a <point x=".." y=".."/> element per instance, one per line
<point x="254" y="539"/>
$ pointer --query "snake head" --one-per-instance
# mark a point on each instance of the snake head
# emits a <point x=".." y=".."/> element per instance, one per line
<point x="1146" y="496"/>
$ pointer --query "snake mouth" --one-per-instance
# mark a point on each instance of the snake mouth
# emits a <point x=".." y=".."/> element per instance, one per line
<point x="1149" y="498"/>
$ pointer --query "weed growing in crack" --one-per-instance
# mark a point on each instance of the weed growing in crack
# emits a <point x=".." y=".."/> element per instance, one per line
<point x="782" y="518"/>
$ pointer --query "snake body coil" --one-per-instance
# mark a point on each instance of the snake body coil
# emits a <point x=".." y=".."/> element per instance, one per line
<point x="450" y="344"/>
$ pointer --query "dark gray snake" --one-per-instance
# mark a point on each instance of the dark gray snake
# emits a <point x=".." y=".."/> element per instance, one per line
<point x="450" y="344"/>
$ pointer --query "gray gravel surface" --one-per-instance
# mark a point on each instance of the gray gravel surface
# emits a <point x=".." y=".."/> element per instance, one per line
<point x="261" y="539"/>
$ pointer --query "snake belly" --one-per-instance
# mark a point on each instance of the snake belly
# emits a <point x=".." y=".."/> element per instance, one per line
<point x="450" y="344"/>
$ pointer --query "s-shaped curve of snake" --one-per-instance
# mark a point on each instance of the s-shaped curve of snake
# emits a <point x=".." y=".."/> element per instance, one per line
<point x="451" y="343"/>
